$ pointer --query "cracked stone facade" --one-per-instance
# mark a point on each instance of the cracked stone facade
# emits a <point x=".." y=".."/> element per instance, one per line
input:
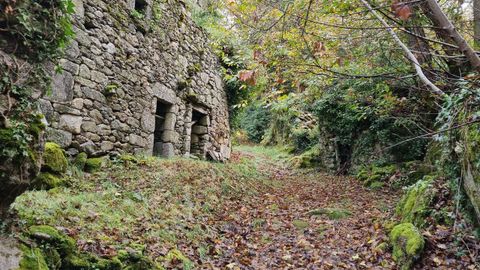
<point x="122" y="65"/>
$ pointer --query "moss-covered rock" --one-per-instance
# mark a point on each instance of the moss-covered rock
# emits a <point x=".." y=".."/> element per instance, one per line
<point x="80" y="161"/>
<point x="407" y="243"/>
<point x="307" y="159"/>
<point x="85" y="261"/>
<point x="77" y="262"/>
<point x="375" y="173"/>
<point x="60" y="241"/>
<point x="46" y="180"/>
<point x="135" y="260"/>
<point x="32" y="259"/>
<point x="414" y="206"/>
<point x="109" y="264"/>
<point x="94" y="164"/>
<point x="54" y="158"/>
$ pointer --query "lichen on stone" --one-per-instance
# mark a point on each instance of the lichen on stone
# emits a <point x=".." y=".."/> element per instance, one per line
<point x="54" y="158"/>
<point x="407" y="243"/>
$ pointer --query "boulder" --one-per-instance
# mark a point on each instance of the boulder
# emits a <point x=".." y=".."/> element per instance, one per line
<point x="54" y="159"/>
<point x="407" y="243"/>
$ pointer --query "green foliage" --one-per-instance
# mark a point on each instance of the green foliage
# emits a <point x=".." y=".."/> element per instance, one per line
<point x="408" y="244"/>
<point x="254" y="120"/>
<point x="38" y="32"/>
<point x="457" y="148"/>
<point x="42" y="28"/>
<point x="368" y="113"/>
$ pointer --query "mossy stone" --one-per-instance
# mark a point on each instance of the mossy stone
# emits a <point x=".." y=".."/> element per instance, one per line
<point x="54" y="159"/>
<point x="63" y="243"/>
<point x="46" y="180"/>
<point x="375" y="173"/>
<point x="94" y="164"/>
<point x="135" y="260"/>
<point x="407" y="243"/>
<point x="109" y="264"/>
<point x="32" y="259"/>
<point x="414" y="205"/>
<point x="80" y="161"/>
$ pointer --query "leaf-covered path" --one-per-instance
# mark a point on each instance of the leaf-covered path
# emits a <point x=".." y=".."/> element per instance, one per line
<point x="304" y="220"/>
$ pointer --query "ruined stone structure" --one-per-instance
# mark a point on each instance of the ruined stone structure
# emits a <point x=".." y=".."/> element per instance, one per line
<point x="140" y="78"/>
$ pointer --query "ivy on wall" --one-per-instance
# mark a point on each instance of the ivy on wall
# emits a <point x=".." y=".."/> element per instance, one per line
<point x="34" y="35"/>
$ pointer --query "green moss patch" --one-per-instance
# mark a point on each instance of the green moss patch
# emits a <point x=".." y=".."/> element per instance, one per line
<point x="32" y="259"/>
<point x="94" y="164"/>
<point x="80" y="161"/>
<point x="407" y="243"/>
<point x="46" y="180"/>
<point x="331" y="213"/>
<point x="376" y="174"/>
<point x="300" y="224"/>
<point x="47" y="234"/>
<point x="54" y="158"/>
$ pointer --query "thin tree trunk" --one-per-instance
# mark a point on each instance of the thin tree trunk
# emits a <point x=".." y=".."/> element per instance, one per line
<point x="476" y="22"/>
<point x="407" y="51"/>
<point x="441" y="20"/>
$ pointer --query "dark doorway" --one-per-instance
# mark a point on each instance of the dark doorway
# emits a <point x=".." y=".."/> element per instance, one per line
<point x="160" y="117"/>
<point x="199" y="135"/>
<point x="141" y="6"/>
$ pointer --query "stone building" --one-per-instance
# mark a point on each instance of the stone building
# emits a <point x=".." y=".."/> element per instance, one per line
<point x="139" y="77"/>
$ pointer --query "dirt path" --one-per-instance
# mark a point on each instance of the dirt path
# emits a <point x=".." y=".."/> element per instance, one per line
<point x="306" y="220"/>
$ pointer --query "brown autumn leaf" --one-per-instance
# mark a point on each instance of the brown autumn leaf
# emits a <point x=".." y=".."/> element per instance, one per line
<point x="401" y="10"/>
<point x="248" y="76"/>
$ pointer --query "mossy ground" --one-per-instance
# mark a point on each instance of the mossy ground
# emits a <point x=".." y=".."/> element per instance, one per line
<point x="156" y="204"/>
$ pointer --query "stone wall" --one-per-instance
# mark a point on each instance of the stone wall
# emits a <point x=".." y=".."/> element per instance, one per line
<point x="130" y="57"/>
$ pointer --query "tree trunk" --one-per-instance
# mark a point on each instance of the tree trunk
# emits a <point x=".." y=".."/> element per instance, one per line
<point x="476" y="22"/>
<point x="447" y="31"/>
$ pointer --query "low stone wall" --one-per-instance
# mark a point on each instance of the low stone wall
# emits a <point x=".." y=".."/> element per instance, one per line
<point x="130" y="57"/>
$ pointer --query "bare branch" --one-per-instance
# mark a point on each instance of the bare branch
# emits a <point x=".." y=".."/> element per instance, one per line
<point x="407" y="51"/>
